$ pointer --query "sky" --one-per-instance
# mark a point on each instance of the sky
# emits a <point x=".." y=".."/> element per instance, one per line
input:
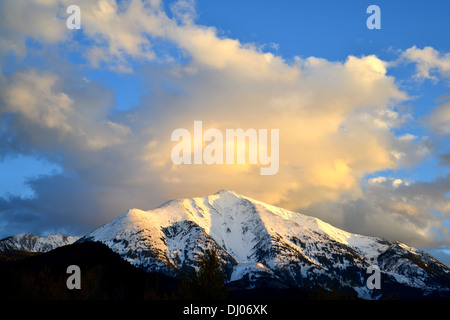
<point x="86" y="115"/>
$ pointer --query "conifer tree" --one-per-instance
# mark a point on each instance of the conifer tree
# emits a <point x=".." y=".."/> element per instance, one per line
<point x="206" y="283"/>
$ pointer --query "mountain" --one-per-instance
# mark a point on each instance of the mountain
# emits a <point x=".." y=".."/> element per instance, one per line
<point x="263" y="246"/>
<point x="32" y="243"/>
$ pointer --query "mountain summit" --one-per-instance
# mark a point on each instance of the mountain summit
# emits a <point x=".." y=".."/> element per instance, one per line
<point x="264" y="245"/>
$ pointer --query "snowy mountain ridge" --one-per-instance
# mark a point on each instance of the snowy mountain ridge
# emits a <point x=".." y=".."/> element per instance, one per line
<point x="258" y="242"/>
<point x="32" y="243"/>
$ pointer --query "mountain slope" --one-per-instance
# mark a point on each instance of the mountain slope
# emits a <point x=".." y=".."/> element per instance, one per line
<point x="32" y="243"/>
<point x="262" y="245"/>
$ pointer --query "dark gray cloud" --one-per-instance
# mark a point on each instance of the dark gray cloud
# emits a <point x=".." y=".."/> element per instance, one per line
<point x="411" y="212"/>
<point x="444" y="159"/>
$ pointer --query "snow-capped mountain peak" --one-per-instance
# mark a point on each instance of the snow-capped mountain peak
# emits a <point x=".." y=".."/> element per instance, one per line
<point x="256" y="240"/>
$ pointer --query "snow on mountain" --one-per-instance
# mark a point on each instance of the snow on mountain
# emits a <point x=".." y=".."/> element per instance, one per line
<point x="256" y="240"/>
<point x="32" y="243"/>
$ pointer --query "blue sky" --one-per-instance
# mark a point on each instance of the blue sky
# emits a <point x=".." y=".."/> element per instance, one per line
<point x="331" y="29"/>
<point x="363" y="114"/>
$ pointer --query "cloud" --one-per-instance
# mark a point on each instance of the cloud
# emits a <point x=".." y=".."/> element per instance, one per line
<point x="413" y="212"/>
<point x="332" y="117"/>
<point x="37" y="19"/>
<point x="184" y="11"/>
<point x="39" y="105"/>
<point x="429" y="62"/>
<point x="336" y="122"/>
<point x="444" y="159"/>
<point x="438" y="120"/>
<point x="119" y="31"/>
